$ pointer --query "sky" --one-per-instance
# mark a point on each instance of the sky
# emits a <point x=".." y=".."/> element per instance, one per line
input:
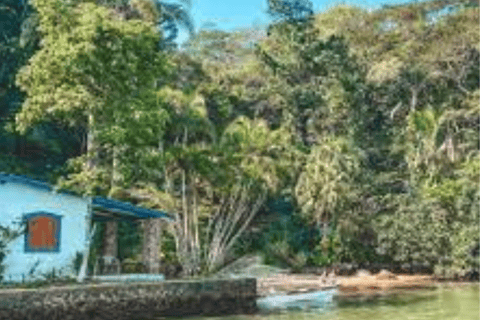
<point x="233" y="14"/>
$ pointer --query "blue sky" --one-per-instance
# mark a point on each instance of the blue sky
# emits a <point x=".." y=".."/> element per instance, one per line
<point x="233" y="14"/>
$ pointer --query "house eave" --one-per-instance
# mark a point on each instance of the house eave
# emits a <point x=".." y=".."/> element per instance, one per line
<point x="116" y="209"/>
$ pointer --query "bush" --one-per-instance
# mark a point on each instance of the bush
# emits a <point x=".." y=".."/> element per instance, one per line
<point x="6" y="236"/>
<point x="429" y="233"/>
<point x="326" y="251"/>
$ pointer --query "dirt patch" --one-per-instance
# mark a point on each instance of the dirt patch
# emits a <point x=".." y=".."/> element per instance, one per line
<point x="384" y="281"/>
<point x="362" y="283"/>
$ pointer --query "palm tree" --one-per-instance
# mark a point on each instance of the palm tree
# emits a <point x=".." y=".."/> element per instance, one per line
<point x="263" y="153"/>
<point x="290" y="10"/>
<point x="169" y="16"/>
<point x="327" y="180"/>
<point x="173" y="16"/>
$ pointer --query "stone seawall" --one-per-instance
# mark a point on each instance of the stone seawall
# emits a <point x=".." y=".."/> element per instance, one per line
<point x="130" y="301"/>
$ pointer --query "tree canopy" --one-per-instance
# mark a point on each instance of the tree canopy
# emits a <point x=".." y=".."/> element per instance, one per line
<point x="363" y="123"/>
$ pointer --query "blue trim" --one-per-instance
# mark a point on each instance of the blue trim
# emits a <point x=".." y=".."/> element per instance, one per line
<point x="58" y="221"/>
<point x="122" y="208"/>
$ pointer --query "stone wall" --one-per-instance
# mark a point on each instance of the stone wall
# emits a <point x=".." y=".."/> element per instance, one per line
<point x="132" y="301"/>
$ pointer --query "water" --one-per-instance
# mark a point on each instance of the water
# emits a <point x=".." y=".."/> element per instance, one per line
<point x="459" y="302"/>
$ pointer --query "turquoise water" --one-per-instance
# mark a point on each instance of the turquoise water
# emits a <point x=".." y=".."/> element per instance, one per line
<point x="447" y="302"/>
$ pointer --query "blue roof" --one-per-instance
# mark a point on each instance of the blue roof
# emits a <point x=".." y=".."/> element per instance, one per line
<point x="134" y="212"/>
<point x="123" y="209"/>
<point x="4" y="178"/>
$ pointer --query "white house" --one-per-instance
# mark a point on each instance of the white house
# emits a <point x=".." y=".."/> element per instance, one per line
<point x="57" y="225"/>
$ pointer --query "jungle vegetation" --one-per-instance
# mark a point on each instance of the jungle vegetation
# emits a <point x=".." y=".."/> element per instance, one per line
<point x="342" y="136"/>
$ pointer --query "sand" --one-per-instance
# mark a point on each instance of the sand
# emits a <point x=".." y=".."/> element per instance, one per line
<point x="362" y="283"/>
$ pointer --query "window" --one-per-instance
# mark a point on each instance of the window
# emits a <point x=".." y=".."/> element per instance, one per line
<point x="42" y="232"/>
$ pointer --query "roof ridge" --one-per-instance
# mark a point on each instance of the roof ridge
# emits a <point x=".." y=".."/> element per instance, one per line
<point x="102" y="202"/>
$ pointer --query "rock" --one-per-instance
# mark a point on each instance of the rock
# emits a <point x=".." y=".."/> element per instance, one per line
<point x="332" y="279"/>
<point x="250" y="266"/>
<point x="363" y="273"/>
<point x="472" y="275"/>
<point x="346" y="269"/>
<point x="385" y="275"/>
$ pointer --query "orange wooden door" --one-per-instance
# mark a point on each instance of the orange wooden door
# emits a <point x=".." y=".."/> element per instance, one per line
<point x="42" y="232"/>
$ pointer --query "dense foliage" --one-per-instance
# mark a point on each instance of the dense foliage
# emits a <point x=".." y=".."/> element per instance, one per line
<point x="365" y="124"/>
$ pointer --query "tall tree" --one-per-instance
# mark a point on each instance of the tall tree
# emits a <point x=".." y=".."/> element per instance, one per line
<point x="91" y="72"/>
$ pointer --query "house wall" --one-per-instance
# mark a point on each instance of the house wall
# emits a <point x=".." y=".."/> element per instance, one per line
<point x="18" y="199"/>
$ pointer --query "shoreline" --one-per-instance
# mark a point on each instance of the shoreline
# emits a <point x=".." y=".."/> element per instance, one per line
<point x="290" y="283"/>
<point x="360" y="284"/>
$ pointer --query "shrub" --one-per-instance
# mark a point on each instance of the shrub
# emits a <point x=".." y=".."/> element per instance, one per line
<point x="7" y="234"/>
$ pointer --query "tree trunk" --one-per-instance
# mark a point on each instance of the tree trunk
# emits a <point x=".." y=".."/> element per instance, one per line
<point x="151" y="245"/>
<point x="116" y="176"/>
<point x="91" y="144"/>
<point x="228" y="224"/>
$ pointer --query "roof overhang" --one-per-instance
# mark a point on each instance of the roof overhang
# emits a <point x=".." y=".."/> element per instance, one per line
<point x="105" y="209"/>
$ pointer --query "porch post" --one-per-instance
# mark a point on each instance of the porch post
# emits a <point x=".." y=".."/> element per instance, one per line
<point x="110" y="241"/>
<point x="151" y="245"/>
<point x="82" y="274"/>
